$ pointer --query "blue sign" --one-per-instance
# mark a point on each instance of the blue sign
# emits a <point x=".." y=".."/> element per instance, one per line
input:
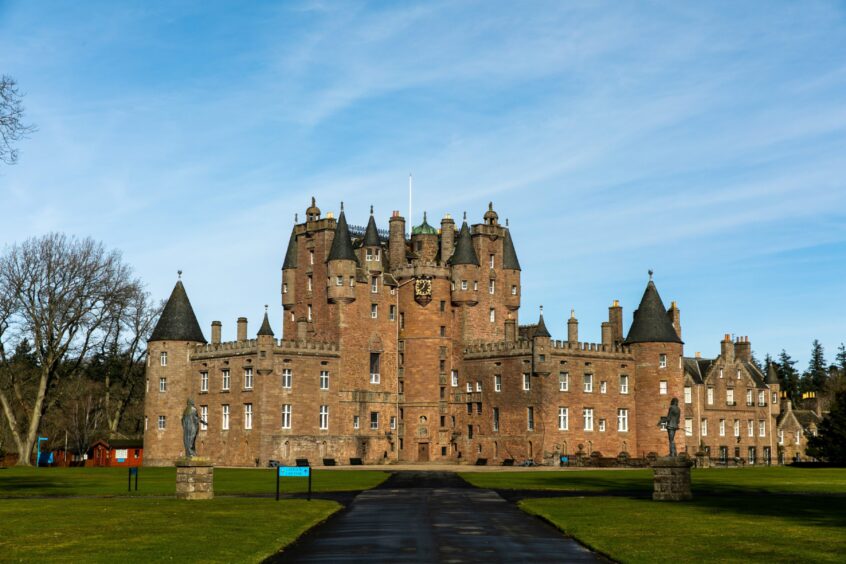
<point x="294" y="471"/>
<point x="133" y="471"/>
<point x="565" y="459"/>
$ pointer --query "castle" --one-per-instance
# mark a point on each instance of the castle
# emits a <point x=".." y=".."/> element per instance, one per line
<point x="410" y="350"/>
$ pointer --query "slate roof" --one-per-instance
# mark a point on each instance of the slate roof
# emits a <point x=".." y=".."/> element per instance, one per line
<point x="371" y="234"/>
<point x="757" y="375"/>
<point x="342" y="248"/>
<point x="464" y="251"/>
<point x="291" y="253"/>
<point x="697" y="368"/>
<point x="651" y="324"/>
<point x="509" y="255"/>
<point x="772" y="374"/>
<point x="541" y="330"/>
<point x="178" y="322"/>
<point x="807" y="417"/>
<point x="265" y="329"/>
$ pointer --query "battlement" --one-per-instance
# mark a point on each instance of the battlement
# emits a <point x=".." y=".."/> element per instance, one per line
<point x="482" y="350"/>
<point x="432" y="269"/>
<point x="280" y="346"/>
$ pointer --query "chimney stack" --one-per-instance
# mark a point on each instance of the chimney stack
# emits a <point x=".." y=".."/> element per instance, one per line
<point x="447" y="238"/>
<point x="675" y="317"/>
<point x="606" y="334"/>
<point x="743" y="349"/>
<point x="215" y="332"/>
<point x="396" y="240"/>
<point x="727" y="349"/>
<point x="573" y="328"/>
<point x="242" y="328"/>
<point x="615" y="318"/>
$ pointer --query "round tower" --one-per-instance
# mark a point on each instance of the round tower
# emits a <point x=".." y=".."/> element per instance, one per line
<point x="424" y="241"/>
<point x="465" y="269"/>
<point x="341" y="264"/>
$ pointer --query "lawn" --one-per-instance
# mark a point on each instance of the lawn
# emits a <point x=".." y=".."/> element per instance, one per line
<point x="24" y="482"/>
<point x="145" y="530"/>
<point x="776" y="479"/>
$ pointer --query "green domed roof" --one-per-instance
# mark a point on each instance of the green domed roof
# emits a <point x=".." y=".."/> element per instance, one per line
<point x="424" y="228"/>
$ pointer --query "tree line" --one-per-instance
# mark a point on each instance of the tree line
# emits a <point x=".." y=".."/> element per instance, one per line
<point x="73" y="326"/>
<point x="820" y="377"/>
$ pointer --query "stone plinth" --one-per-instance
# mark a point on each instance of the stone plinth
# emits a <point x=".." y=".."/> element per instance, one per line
<point x="671" y="477"/>
<point x="703" y="460"/>
<point x="194" y="479"/>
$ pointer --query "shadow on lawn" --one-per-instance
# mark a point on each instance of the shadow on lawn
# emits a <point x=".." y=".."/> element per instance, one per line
<point x="24" y="484"/>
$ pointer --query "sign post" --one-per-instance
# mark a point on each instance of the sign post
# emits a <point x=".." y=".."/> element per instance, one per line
<point x="132" y="471"/>
<point x="293" y="472"/>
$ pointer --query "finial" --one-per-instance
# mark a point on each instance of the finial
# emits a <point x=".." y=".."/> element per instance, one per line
<point x="265" y="309"/>
<point x="296" y="217"/>
<point x="371" y="209"/>
<point x="179" y="274"/>
<point x="650" y="275"/>
<point x="424" y="216"/>
<point x="506" y="222"/>
<point x="541" y="310"/>
<point x="465" y="216"/>
<point x="313" y="203"/>
<point x="342" y="206"/>
<point x="572" y="313"/>
<point x="490" y="206"/>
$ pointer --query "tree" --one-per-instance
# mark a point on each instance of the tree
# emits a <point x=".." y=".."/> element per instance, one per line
<point x="830" y="442"/>
<point x="62" y="294"/>
<point x="815" y="377"/>
<point x="12" y="126"/>
<point x="787" y="375"/>
<point x="840" y="358"/>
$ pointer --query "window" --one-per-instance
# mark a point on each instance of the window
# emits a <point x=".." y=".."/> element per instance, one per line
<point x="798" y="438"/>
<point x="454" y="378"/>
<point x="624" y="384"/>
<point x="162" y="422"/>
<point x="204" y="381"/>
<point x="402" y="320"/>
<point x="225" y="380"/>
<point x="602" y="425"/>
<point x="703" y="427"/>
<point x="374" y="311"/>
<point x="163" y="359"/>
<point x="736" y="428"/>
<point x="563" y="382"/>
<point x="738" y="373"/>
<point x="479" y="408"/>
<point x="492" y="315"/>
<point x="762" y="428"/>
<point x="286" y="416"/>
<point x="324" y="379"/>
<point x="464" y="284"/>
<point x="514" y="290"/>
<point x="376" y="254"/>
<point x="224" y="422"/>
<point x="309" y="316"/>
<point x="393" y="421"/>
<point x="730" y="396"/>
<point x="469" y="387"/>
<point x="204" y="418"/>
<point x="352" y="281"/>
<point x="623" y="420"/>
<point x="775" y="398"/>
<point x="368" y="254"/>
<point x="475" y="285"/>
<point x="588" y="383"/>
<point x="478" y="386"/>
<point x="497" y="383"/>
<point x="722" y="427"/>
<point x="492" y="263"/>
<point x="162" y="384"/>
<point x="688" y="394"/>
<point x="603" y="387"/>
<point x="762" y="398"/>
<point x="311" y="257"/>
<point x="780" y="437"/>
<point x="527" y="383"/>
<point x="443" y="306"/>
<point x="248" y="378"/>
<point x="248" y="416"/>
<point x="721" y="373"/>
<point x="324" y="417"/>
<point x="662" y="361"/>
<point x="374" y="284"/>
<point x="309" y="283"/>
<point x="688" y="426"/>
<point x="392" y="313"/>
<point x="492" y="287"/>
<point x="375" y="363"/>
<point x="662" y="387"/>
<point x="587" y="414"/>
<point x="563" y="419"/>
<point x="469" y="431"/>
<point x="355" y="421"/>
<point x="530" y="418"/>
<point x="339" y="281"/>
<point x="750" y="427"/>
<point x="496" y="419"/>
<point x="749" y="401"/>
<point x="287" y="378"/>
<point x="710" y="395"/>
<point x="374" y="420"/>
<point x="284" y="288"/>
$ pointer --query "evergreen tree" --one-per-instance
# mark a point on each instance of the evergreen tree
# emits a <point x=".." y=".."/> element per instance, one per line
<point x="815" y="377"/>
<point x="757" y="362"/>
<point x="840" y="359"/>
<point x="788" y="376"/>
<point x="830" y="442"/>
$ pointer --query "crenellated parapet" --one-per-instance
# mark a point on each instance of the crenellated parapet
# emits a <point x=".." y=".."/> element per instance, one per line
<point x="478" y="351"/>
<point x="250" y="346"/>
<point x="422" y="269"/>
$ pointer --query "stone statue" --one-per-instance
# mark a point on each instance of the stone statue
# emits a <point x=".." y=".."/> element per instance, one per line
<point x="190" y="426"/>
<point x="672" y="421"/>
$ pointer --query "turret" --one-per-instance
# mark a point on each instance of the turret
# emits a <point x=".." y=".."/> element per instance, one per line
<point x="447" y="238"/>
<point x="774" y="385"/>
<point x="289" y="271"/>
<point x="424" y="241"/>
<point x="465" y="269"/>
<point x="265" y="342"/>
<point x="341" y="264"/>
<point x="372" y="246"/>
<point x="541" y="339"/>
<point x="511" y="270"/>
<point x="396" y="241"/>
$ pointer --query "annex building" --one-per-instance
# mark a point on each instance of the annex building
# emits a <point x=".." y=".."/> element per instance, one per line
<point x="398" y="349"/>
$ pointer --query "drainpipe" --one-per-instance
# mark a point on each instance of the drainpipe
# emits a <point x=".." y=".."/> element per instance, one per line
<point x="397" y="321"/>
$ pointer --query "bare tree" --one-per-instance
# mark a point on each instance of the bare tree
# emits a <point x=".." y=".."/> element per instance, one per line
<point x="62" y="294"/>
<point x="12" y="127"/>
<point x="82" y="411"/>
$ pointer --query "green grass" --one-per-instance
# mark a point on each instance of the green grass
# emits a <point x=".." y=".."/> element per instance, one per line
<point x="776" y="479"/>
<point x="772" y="528"/>
<point x="145" y="530"/>
<point x="24" y="482"/>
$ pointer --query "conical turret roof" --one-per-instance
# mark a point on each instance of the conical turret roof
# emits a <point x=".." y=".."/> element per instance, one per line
<point x="464" y="251"/>
<point x="772" y="374"/>
<point x="541" y="330"/>
<point x="178" y="322"/>
<point x="509" y="255"/>
<point x="265" y="329"/>
<point x="371" y="234"/>
<point x="651" y="324"/>
<point x="291" y="253"/>
<point x="342" y="248"/>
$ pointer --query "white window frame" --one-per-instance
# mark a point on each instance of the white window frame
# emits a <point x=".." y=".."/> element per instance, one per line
<point x="454" y="375"/>
<point x="204" y="418"/>
<point x="722" y="427"/>
<point x="663" y="385"/>
<point x="603" y="387"/>
<point x="469" y="387"/>
<point x="309" y="315"/>
<point x="393" y="422"/>
<point x="602" y="425"/>
<point x="622" y="420"/>
<point x="248" y="378"/>
<point x="324" y="380"/>
<point x="492" y="315"/>
<point x="225" y="380"/>
<point x="563" y="381"/>
<point x="588" y="383"/>
<point x="729" y="396"/>
<point x="339" y="281"/>
<point x="324" y="417"/>
<point x="703" y="427"/>
<point x="624" y="384"/>
<point x="497" y="382"/>
<point x="495" y="423"/>
<point x="688" y="395"/>
<point x="374" y="311"/>
<point x="709" y="394"/>
<point x="530" y="418"/>
<point x="781" y="436"/>
<point x="287" y="378"/>
<point x="478" y="386"/>
<point x="356" y="421"/>
<point x="750" y="427"/>
<point x="688" y="426"/>
<point x="514" y="289"/>
<point x="762" y="428"/>
<point x="374" y="423"/>
<point x="248" y="416"/>
<point x="563" y="419"/>
<point x="204" y="381"/>
<point x="162" y="423"/>
<point x="762" y="398"/>
<point x="736" y="427"/>
<point x="749" y="397"/>
<point x="464" y="285"/>
<point x="163" y="358"/>
<point x="162" y="384"/>
<point x="587" y="417"/>
<point x="224" y="417"/>
<point x="492" y="287"/>
<point x="374" y="284"/>
<point x="527" y="382"/>
<point x="287" y="415"/>
<point x="492" y="259"/>
<point x="662" y="361"/>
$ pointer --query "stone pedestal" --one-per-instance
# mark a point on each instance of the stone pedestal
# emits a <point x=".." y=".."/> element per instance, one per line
<point x="194" y="479"/>
<point x="671" y="477"/>
<point x="703" y="460"/>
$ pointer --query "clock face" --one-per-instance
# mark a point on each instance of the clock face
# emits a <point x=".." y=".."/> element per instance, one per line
<point x="423" y="287"/>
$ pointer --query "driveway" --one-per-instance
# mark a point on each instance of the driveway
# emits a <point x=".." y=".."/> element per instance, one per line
<point x="434" y="517"/>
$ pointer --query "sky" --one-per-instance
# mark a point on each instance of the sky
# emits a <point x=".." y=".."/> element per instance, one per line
<point x="705" y="141"/>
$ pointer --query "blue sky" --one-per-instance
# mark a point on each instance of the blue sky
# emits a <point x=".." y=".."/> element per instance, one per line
<point x="707" y="142"/>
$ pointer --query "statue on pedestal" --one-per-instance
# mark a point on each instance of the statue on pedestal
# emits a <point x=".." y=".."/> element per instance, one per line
<point x="672" y="424"/>
<point x="190" y="426"/>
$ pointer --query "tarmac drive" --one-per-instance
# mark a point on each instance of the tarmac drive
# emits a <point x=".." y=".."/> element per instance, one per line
<point x="433" y="517"/>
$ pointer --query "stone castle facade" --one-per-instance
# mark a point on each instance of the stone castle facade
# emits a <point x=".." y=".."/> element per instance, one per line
<point x="410" y="349"/>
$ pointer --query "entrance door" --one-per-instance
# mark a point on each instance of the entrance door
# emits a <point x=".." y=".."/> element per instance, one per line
<point x="423" y="452"/>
